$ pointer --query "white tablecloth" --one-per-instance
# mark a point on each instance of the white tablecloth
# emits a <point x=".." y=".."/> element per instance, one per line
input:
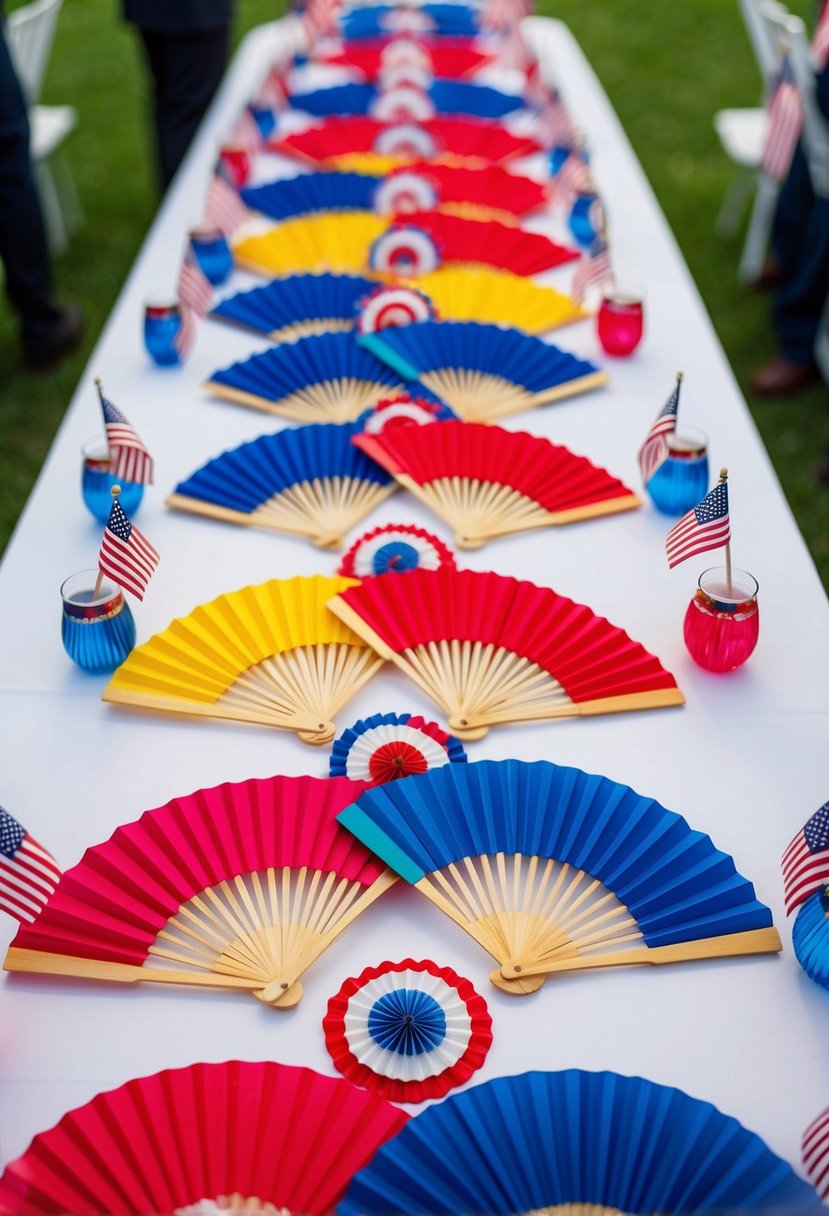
<point x="745" y="759"/>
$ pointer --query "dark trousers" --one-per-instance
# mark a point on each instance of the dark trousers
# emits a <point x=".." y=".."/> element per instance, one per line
<point x="800" y="240"/>
<point x="23" y="248"/>
<point x="186" y="70"/>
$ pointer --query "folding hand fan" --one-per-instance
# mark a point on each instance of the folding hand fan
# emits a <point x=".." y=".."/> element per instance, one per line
<point x="487" y="482"/>
<point x="395" y="548"/>
<point x="810" y="937"/>
<point x="337" y="99"/>
<point x="497" y="297"/>
<point x="336" y="241"/>
<point x="373" y="20"/>
<point x="242" y="886"/>
<point x="469" y="97"/>
<point x="483" y="372"/>
<point x="405" y="410"/>
<point x="255" y="1133"/>
<point x="408" y="1031"/>
<point x="324" y="378"/>
<point x="476" y="139"/>
<point x="389" y="306"/>
<point x="309" y="192"/>
<point x="270" y="654"/>
<point x="297" y="306"/>
<point x="386" y="747"/>
<point x="403" y="250"/>
<point x="490" y="242"/>
<point x="815" y="1150"/>
<point x="575" y="1142"/>
<point x="457" y="183"/>
<point x="311" y="482"/>
<point x="490" y="649"/>
<point x="446" y="56"/>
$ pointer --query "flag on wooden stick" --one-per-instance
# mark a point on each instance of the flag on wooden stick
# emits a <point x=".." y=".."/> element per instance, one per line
<point x="126" y="555"/>
<point x="28" y="873"/>
<point x="806" y="860"/>
<point x="195" y="295"/>
<point x="129" y="460"/>
<point x="593" y="269"/>
<point x="224" y="208"/>
<point x="654" y="451"/>
<point x="706" y="526"/>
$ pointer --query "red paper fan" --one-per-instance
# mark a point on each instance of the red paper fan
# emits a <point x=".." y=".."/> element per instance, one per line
<point x="486" y="482"/>
<point x="490" y="242"/>
<point x="490" y="184"/>
<point x="251" y="1133"/>
<point x="408" y="1031"/>
<point x="490" y="649"/>
<point x="478" y="139"/>
<point x="198" y="892"/>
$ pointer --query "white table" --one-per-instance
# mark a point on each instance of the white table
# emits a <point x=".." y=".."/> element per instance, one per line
<point x="745" y="759"/>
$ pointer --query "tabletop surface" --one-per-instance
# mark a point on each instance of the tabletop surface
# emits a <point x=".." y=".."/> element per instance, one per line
<point x="744" y="759"/>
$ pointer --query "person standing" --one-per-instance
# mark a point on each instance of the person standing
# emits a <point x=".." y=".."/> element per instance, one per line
<point x="48" y="332"/>
<point x="186" y="45"/>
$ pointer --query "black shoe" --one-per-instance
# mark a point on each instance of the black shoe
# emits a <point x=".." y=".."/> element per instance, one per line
<point x="65" y="338"/>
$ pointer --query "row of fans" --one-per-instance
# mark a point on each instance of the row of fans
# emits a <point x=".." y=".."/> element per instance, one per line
<point x="291" y="1140"/>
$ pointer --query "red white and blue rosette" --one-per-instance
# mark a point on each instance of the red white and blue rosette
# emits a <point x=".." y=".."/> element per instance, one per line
<point x="395" y="549"/>
<point x="405" y="139"/>
<point x="402" y="103"/>
<point x="408" y="1031"/>
<point x="404" y="410"/>
<point x="404" y="250"/>
<point x="403" y="192"/>
<point x="386" y="307"/>
<point x="402" y="51"/>
<point x="386" y="747"/>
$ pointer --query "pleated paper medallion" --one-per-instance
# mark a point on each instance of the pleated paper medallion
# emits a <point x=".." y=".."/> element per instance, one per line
<point x="487" y="482"/>
<point x="310" y="482"/>
<point x="240" y="887"/>
<point x="395" y="549"/>
<point x="577" y="1144"/>
<point x="260" y="1137"/>
<point x="271" y="654"/>
<point x="387" y="747"/>
<point x="551" y="869"/>
<point x="408" y="1031"/>
<point x="489" y="649"/>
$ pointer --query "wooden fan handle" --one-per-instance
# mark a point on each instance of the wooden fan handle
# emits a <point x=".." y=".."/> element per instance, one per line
<point x="280" y="994"/>
<point x="467" y="730"/>
<point x="517" y="987"/>
<point x="318" y="738"/>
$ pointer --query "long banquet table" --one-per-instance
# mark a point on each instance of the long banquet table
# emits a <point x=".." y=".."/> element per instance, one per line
<point x="745" y="759"/>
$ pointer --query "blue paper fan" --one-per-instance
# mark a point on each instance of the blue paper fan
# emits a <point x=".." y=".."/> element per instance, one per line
<point x="311" y="482"/>
<point x="377" y="19"/>
<point x="327" y="378"/>
<point x="810" y="936"/>
<point x="483" y="372"/>
<point x="309" y="192"/>
<point x="446" y="97"/>
<point x="386" y="747"/>
<point x="338" y="99"/>
<point x="628" y="881"/>
<point x="540" y="1140"/>
<point x="298" y="305"/>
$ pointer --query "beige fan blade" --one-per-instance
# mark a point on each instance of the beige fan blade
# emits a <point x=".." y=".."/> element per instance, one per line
<point x="258" y="932"/>
<point x="328" y="401"/>
<point x="311" y="329"/>
<point x="479" y="511"/>
<point x="300" y="689"/>
<point x="320" y="510"/>
<point x="536" y="916"/>
<point x="479" y="397"/>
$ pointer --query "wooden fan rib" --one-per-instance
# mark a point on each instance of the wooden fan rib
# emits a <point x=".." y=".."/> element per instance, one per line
<point x="162" y="704"/>
<point x="41" y="963"/>
<point x="571" y="388"/>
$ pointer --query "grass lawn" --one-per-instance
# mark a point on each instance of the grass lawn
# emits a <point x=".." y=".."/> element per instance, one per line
<point x="666" y="67"/>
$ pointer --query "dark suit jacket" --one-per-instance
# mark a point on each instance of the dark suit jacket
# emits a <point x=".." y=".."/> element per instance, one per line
<point x="178" y="15"/>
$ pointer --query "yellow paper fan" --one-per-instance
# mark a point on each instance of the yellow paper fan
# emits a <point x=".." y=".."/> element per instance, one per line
<point x="496" y="297"/>
<point x="376" y="164"/>
<point x="270" y="654"/>
<point x="338" y="241"/>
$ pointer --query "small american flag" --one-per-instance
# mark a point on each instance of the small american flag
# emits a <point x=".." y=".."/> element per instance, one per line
<point x="806" y="860"/>
<point x="224" y="208"/>
<point x="572" y="178"/>
<point x="554" y="124"/>
<point x="195" y="295"/>
<point x="245" y="133"/>
<point x="815" y="1152"/>
<point x="593" y="269"/>
<point x="28" y="874"/>
<point x="126" y="555"/>
<point x="706" y="526"/>
<point x="273" y="95"/>
<point x="654" y="450"/>
<point x="785" y="120"/>
<point x="129" y="460"/>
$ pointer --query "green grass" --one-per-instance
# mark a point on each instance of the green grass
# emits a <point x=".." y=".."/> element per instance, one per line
<point x="666" y="67"/>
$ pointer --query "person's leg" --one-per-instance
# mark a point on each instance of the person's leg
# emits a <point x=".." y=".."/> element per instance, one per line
<point x="23" y="248"/>
<point x="798" y="303"/>
<point x="186" y="70"/>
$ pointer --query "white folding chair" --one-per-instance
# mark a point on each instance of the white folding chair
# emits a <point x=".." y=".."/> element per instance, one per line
<point x="742" y="130"/>
<point x="788" y="36"/>
<point x="29" y="32"/>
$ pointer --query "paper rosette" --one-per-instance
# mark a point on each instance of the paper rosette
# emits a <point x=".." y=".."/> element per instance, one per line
<point x="395" y="549"/>
<point x="386" y="747"/>
<point x="405" y="410"/>
<point x="408" y="1031"/>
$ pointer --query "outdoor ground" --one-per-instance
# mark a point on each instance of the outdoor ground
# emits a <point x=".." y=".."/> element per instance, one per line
<point x="666" y="67"/>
